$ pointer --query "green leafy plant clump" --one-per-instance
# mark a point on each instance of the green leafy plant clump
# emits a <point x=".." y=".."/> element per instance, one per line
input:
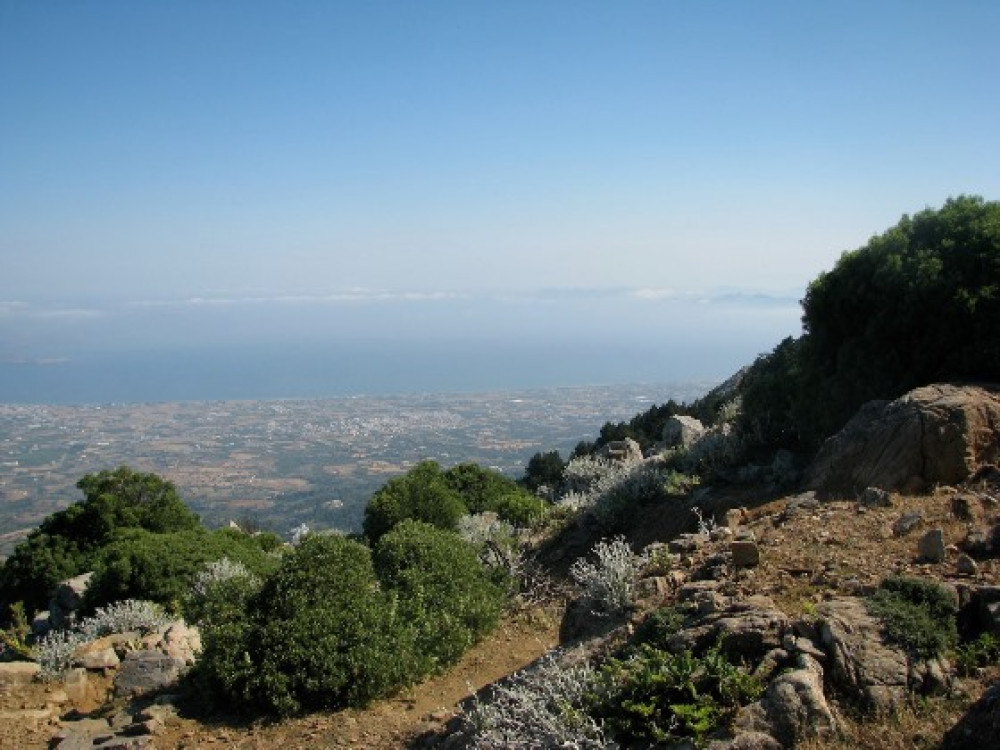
<point x="440" y="498"/>
<point x="983" y="651"/>
<point x="918" y="614"/>
<point x="654" y="696"/>
<point x="337" y="625"/>
<point x="162" y="567"/>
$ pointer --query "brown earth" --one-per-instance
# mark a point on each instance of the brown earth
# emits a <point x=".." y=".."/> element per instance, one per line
<point x="806" y="557"/>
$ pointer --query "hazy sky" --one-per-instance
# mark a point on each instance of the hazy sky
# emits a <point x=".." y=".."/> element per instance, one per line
<point x="208" y="169"/>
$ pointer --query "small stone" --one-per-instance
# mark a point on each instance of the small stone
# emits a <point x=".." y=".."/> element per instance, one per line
<point x="931" y="546"/>
<point x="907" y="523"/>
<point x="961" y="508"/>
<point x="746" y="554"/>
<point x="102" y="659"/>
<point x="875" y="497"/>
<point x="18" y="672"/>
<point x="733" y="518"/>
<point x="966" y="566"/>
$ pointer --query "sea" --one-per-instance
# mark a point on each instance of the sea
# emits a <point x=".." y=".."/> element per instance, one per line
<point x="277" y="371"/>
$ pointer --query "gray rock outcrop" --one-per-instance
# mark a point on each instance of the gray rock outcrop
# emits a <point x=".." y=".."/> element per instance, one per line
<point x="860" y="663"/>
<point x="937" y="434"/>
<point x="682" y="431"/>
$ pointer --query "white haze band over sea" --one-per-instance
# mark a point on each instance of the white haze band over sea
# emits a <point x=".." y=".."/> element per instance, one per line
<point x="369" y="344"/>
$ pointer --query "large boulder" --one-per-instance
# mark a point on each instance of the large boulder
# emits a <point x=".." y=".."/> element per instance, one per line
<point x="682" y="431"/>
<point x="873" y="673"/>
<point x="938" y="434"/>
<point x="626" y="450"/>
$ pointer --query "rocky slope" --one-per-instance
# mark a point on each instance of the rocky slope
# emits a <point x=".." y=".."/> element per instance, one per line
<point x="783" y="578"/>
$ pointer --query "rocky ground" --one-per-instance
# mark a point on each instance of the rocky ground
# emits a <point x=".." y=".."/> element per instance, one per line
<point x="812" y="555"/>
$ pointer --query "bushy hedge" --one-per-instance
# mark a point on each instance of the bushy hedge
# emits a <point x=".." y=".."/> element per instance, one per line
<point x="440" y="498"/>
<point x="68" y="542"/>
<point x="422" y="494"/>
<point x="918" y="304"/>
<point x="333" y="627"/>
<point x="162" y="567"/>
<point x="320" y="633"/>
<point x="444" y="592"/>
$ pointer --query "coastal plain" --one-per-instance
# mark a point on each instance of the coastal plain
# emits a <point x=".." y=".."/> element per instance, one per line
<point x="276" y="464"/>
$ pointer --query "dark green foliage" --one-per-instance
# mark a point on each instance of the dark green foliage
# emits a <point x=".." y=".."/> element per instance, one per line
<point x="422" y="494"/>
<point x="67" y="543"/>
<point x="920" y="615"/>
<point x="918" y="304"/>
<point x="657" y="697"/>
<point x="444" y="592"/>
<point x="484" y="490"/>
<point x="769" y="390"/>
<point x="659" y="626"/>
<point x="138" y="564"/>
<point x="319" y="634"/>
<point x="645" y="428"/>
<point x="981" y="652"/>
<point x="440" y="498"/>
<point x="223" y="675"/>
<point x="325" y="631"/>
<point x="543" y="469"/>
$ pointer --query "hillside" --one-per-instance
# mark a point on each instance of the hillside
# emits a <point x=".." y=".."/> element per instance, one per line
<point x="810" y="552"/>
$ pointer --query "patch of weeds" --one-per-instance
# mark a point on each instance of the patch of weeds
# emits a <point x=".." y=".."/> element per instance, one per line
<point x="14" y="638"/>
<point x="659" y="626"/>
<point x="655" y="696"/>
<point x="981" y="652"/>
<point x="917" y="614"/>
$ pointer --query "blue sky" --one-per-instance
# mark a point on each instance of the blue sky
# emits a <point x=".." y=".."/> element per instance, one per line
<point x="228" y="171"/>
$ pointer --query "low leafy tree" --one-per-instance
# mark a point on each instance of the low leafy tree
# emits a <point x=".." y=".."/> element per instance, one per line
<point x="68" y="542"/>
<point x="444" y="591"/>
<point x="920" y="303"/>
<point x="543" y="469"/>
<point x="422" y="494"/>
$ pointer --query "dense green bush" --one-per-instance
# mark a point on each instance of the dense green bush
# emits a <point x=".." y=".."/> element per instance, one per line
<point x="334" y="626"/>
<point x="543" y="470"/>
<point x="138" y="564"/>
<point x="443" y="590"/>
<point x="483" y="490"/>
<point x="920" y="615"/>
<point x="440" y="498"/>
<point x="918" y="304"/>
<point x="422" y="494"/>
<point x="68" y="542"/>
<point x="320" y="633"/>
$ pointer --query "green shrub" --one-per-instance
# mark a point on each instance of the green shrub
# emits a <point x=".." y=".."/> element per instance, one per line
<point x="918" y="614"/>
<point x="444" y="592"/>
<point x="918" y="304"/>
<point x="68" y="542"/>
<point x="318" y="634"/>
<point x="422" y="494"/>
<point x="543" y="470"/>
<point x="139" y="564"/>
<point x="483" y="490"/>
<point x="659" y="626"/>
<point x="655" y="696"/>
<point x="981" y="652"/>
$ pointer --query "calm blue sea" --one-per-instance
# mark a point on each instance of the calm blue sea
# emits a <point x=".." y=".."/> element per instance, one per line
<point x="300" y="371"/>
